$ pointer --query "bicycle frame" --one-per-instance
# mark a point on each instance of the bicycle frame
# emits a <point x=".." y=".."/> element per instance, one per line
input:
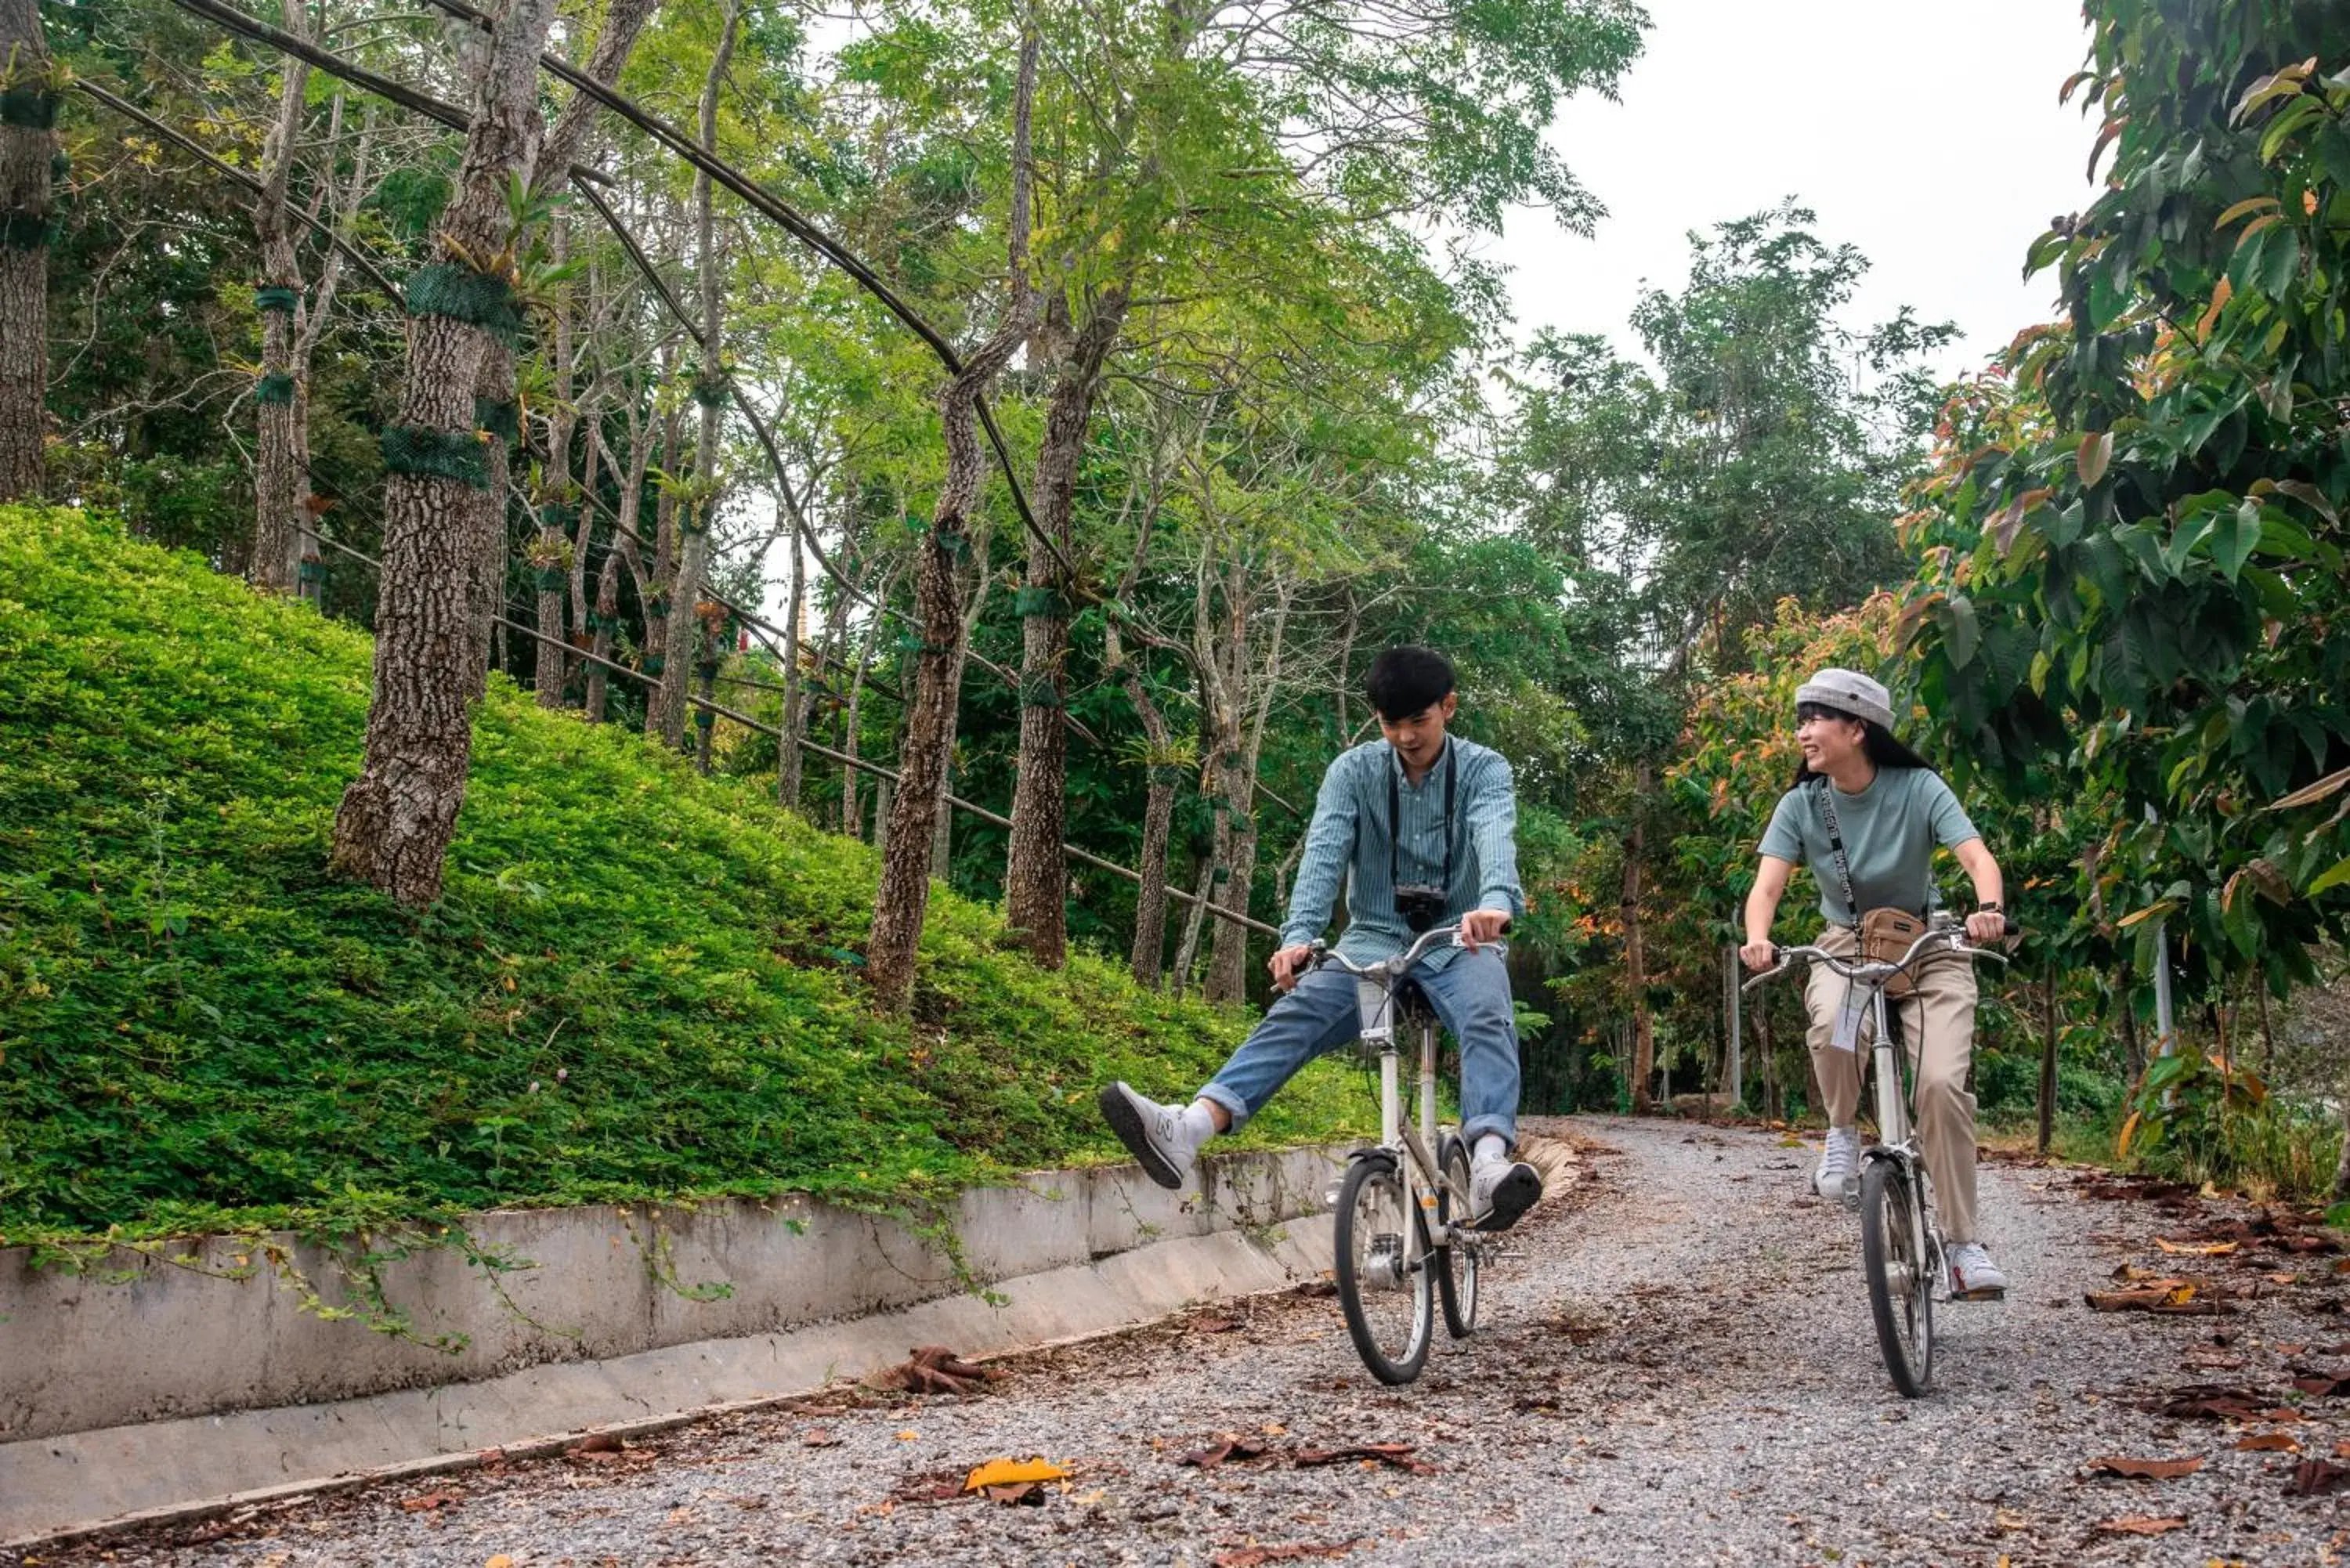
<point x="1415" y="1141"/>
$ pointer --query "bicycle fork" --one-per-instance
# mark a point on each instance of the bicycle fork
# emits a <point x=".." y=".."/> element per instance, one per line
<point x="1897" y="1138"/>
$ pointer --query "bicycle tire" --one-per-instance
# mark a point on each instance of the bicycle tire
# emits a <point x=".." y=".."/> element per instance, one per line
<point x="1900" y="1280"/>
<point x="1389" y="1307"/>
<point x="1456" y="1266"/>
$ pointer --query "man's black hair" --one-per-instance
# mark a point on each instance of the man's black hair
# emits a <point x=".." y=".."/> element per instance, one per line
<point x="1877" y="742"/>
<point x="1405" y="680"/>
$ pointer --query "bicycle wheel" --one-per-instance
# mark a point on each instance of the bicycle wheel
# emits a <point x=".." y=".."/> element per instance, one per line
<point x="1456" y="1264"/>
<point x="1383" y="1273"/>
<point x="1900" y="1278"/>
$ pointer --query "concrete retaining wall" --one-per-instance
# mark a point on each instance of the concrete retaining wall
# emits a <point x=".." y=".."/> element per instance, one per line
<point x="136" y="1339"/>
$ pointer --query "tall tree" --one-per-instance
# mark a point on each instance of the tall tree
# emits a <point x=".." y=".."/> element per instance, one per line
<point x="28" y="142"/>
<point x="905" y="891"/>
<point x="665" y="716"/>
<point x="397" y="816"/>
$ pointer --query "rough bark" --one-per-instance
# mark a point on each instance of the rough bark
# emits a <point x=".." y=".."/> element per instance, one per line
<point x="904" y="894"/>
<point x="1037" y="878"/>
<point x="663" y="579"/>
<point x="668" y="716"/>
<point x="788" y="755"/>
<point x="25" y="152"/>
<point x="397" y="817"/>
<point x="1636" y="967"/>
<point x="1228" y="958"/>
<point x="551" y="553"/>
<point x="1187" y="953"/>
<point x="281" y="485"/>
<point x="493" y="377"/>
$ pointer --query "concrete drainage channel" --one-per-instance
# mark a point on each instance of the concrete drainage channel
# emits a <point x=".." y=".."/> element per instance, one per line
<point x="140" y="1389"/>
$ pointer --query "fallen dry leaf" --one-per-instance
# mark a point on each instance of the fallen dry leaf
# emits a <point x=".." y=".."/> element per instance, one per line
<point x="817" y="1438"/>
<point x="2169" y="1298"/>
<point x="1395" y="1454"/>
<point x="2147" y="1469"/>
<point x="1257" y="1556"/>
<point x="1219" y="1324"/>
<point x="1012" y="1472"/>
<point x="431" y="1500"/>
<point x="597" y="1443"/>
<point x="909" y="1436"/>
<point x="2138" y="1524"/>
<point x="934" y="1369"/>
<point x="2197" y="1248"/>
<point x="2321" y="1385"/>
<point x="2311" y="1477"/>
<point x="500" y="1561"/>
<point x="2288" y="1349"/>
<point x="2268" y="1443"/>
<point x="1209" y="1457"/>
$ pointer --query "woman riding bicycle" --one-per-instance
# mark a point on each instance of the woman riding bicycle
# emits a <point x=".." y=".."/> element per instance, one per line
<point x="1866" y="813"/>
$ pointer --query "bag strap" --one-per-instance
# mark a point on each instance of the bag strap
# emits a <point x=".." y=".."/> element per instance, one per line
<point x="1394" y="819"/>
<point x="1835" y="850"/>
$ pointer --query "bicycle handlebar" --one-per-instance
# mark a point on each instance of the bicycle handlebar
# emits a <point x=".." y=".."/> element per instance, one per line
<point x="1399" y="963"/>
<point x="1950" y="939"/>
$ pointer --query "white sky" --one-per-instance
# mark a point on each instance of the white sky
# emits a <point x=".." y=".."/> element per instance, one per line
<point x="1928" y="136"/>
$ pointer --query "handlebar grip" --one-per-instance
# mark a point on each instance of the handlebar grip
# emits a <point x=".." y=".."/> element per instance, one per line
<point x="2008" y="927"/>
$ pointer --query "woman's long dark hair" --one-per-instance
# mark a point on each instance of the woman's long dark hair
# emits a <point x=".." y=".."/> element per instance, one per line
<point x="1877" y="742"/>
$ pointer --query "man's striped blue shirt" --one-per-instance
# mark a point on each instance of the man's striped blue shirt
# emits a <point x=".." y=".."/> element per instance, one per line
<point x="1349" y="839"/>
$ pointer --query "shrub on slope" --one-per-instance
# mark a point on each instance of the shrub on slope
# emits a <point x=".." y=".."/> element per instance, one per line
<point x="640" y="983"/>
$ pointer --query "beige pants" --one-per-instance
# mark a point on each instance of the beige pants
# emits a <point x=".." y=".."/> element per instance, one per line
<point x="1938" y="1029"/>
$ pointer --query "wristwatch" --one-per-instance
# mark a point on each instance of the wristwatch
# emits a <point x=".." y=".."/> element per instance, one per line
<point x="1989" y="906"/>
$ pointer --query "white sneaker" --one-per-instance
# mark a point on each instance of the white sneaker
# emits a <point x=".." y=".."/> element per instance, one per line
<point x="1154" y="1134"/>
<point x="1500" y="1191"/>
<point x="1838" y="1176"/>
<point x="1973" y="1276"/>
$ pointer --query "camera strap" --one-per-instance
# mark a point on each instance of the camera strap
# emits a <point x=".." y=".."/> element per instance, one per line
<point x="1394" y="819"/>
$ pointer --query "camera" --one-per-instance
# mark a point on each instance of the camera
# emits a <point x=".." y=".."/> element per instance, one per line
<point x="1420" y="904"/>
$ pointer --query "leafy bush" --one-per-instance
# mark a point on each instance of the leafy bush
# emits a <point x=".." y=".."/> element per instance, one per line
<point x="640" y="984"/>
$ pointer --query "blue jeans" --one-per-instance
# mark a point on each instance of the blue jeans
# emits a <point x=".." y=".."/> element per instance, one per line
<point x="1472" y="998"/>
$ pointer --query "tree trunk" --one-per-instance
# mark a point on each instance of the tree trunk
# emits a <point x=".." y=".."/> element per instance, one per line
<point x="1036" y="875"/>
<point x="1635" y="970"/>
<point x="1148" y="955"/>
<point x="607" y="610"/>
<point x="686" y="627"/>
<point x="904" y="895"/>
<point x="281" y="484"/>
<point x="658" y="608"/>
<point x="553" y="555"/>
<point x="397" y="816"/>
<point x="1228" y="961"/>
<point x="491" y="409"/>
<point x="1187" y="951"/>
<point x="2133" y="1047"/>
<point x="26" y="144"/>
<point x="2048" y="1056"/>
<point x="788" y="755"/>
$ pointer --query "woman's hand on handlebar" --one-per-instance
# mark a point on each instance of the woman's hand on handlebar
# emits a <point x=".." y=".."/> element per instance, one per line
<point x="1758" y="956"/>
<point x="1287" y="963"/>
<point x="1987" y="926"/>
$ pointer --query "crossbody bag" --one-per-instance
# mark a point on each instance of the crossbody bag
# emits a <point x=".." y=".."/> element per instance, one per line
<point x="1885" y="934"/>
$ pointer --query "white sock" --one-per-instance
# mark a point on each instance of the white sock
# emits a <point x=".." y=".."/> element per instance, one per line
<point x="1198" y="1123"/>
<point x="1490" y="1147"/>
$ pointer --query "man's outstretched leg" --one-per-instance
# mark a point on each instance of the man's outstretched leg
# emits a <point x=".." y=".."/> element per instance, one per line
<point x="1472" y="996"/>
<point x="1165" y="1140"/>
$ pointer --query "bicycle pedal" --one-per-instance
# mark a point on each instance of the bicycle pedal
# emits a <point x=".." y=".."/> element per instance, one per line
<point x="1988" y="1293"/>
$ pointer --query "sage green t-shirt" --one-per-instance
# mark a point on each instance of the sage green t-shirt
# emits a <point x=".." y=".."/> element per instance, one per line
<point x="1890" y="829"/>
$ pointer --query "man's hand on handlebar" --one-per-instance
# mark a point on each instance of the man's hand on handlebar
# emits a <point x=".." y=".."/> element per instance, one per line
<point x="1760" y="956"/>
<point x="1287" y="963"/>
<point x="1482" y="926"/>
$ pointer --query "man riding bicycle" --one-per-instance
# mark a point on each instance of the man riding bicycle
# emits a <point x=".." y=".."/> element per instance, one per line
<point x="1422" y="827"/>
<point x="1866" y="813"/>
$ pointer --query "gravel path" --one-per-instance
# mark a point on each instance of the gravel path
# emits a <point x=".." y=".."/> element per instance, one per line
<point x="1677" y="1367"/>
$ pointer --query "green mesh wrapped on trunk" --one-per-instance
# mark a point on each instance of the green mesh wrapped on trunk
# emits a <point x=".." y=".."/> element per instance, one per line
<point x="501" y="419"/>
<point x="445" y="289"/>
<point x="25" y="232"/>
<point x="429" y="454"/>
<point x="275" y="296"/>
<point x="552" y="579"/>
<point x="1039" y="691"/>
<point x="1168" y="772"/>
<point x="274" y="389"/>
<point x="30" y="107"/>
<point x="1041" y="603"/>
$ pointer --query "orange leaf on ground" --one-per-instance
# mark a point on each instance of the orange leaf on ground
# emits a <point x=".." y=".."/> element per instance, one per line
<point x="431" y="1500"/>
<point x="2146" y="1469"/>
<point x="2138" y="1524"/>
<point x="2197" y="1248"/>
<point x="2269" y="1443"/>
<point x="1012" y="1472"/>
